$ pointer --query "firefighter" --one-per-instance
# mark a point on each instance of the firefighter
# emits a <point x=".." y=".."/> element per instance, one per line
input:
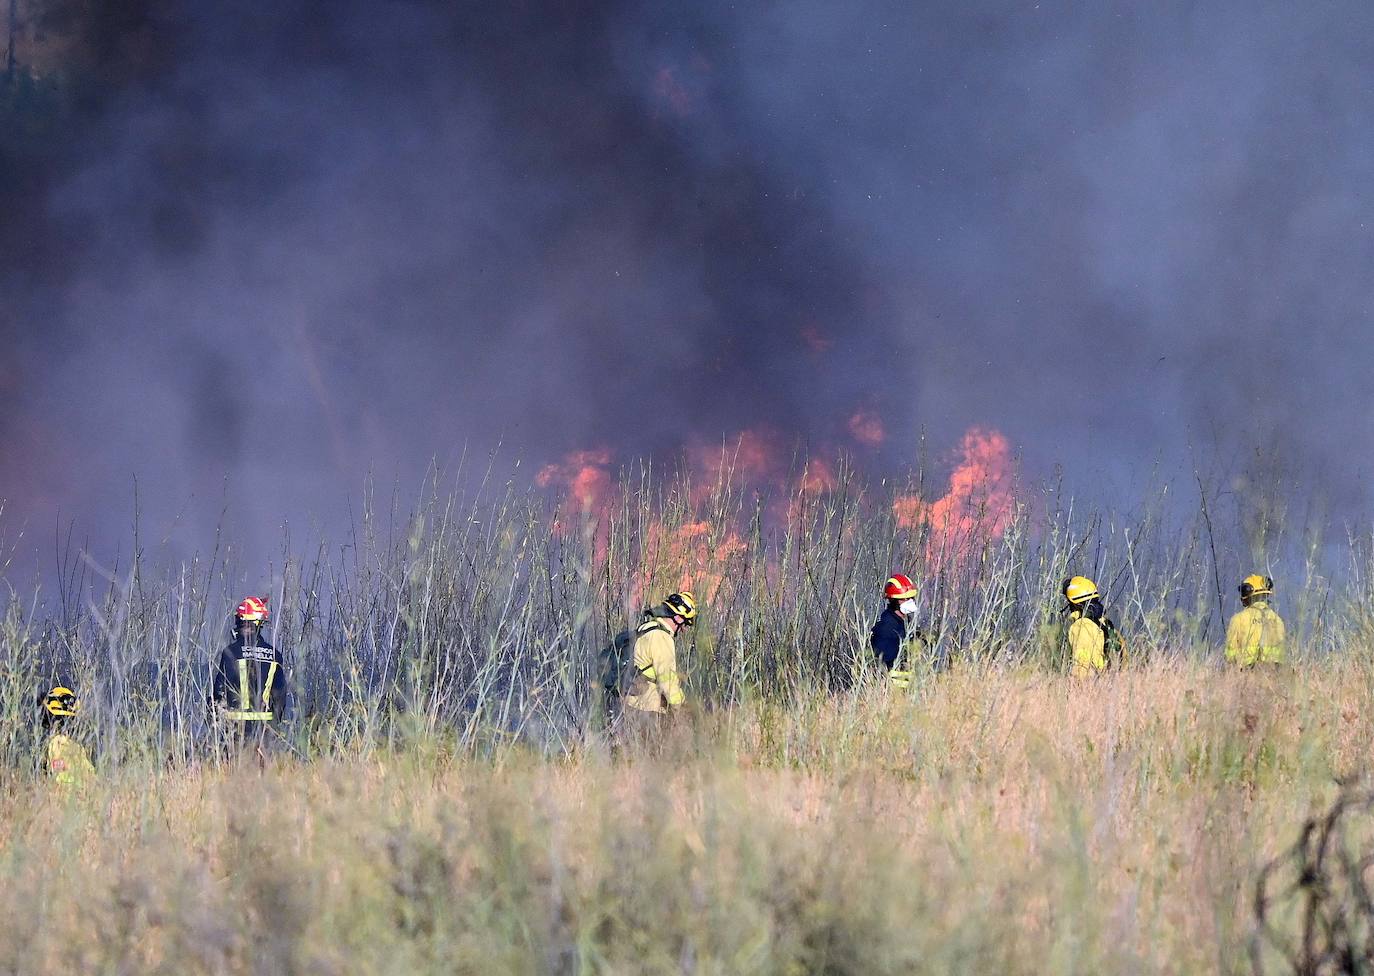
<point x="65" y="759"/>
<point x="894" y="636"/>
<point x="250" y="680"/>
<point x="1256" y="634"/>
<point x="654" y="686"/>
<point x="1094" y="642"/>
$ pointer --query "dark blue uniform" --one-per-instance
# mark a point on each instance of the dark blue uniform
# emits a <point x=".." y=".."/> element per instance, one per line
<point x="887" y="638"/>
<point x="250" y="682"/>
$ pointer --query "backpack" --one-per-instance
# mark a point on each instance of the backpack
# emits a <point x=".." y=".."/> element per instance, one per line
<point x="1113" y="644"/>
<point x="616" y="661"/>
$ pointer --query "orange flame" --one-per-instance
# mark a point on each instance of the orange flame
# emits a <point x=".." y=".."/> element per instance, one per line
<point x="975" y="510"/>
<point x="585" y="478"/>
<point x="749" y="458"/>
<point x="910" y="511"/>
<point x="692" y="555"/>
<point x="701" y="565"/>
<point x="816" y="478"/>
<point x="866" y="427"/>
<point x="978" y="506"/>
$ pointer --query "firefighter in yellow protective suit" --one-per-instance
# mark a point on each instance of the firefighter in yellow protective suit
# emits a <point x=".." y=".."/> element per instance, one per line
<point x="65" y="759"/>
<point x="1256" y="634"/>
<point x="1094" y="642"/>
<point x="654" y="685"/>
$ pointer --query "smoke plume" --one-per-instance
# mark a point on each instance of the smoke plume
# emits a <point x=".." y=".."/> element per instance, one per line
<point x="251" y="254"/>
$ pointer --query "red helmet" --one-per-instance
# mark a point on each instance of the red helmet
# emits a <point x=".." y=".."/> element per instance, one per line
<point x="253" y="609"/>
<point x="899" y="587"/>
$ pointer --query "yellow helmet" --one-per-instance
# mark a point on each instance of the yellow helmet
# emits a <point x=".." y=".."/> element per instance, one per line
<point x="683" y="604"/>
<point x="61" y="702"/>
<point x="1256" y="585"/>
<point x="1079" y="590"/>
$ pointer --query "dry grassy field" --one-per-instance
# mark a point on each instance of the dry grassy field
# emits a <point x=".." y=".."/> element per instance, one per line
<point x="445" y="802"/>
<point x="261" y="250"/>
<point x="1001" y="821"/>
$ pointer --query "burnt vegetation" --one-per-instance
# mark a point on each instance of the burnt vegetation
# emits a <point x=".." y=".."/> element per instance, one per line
<point x="1314" y="903"/>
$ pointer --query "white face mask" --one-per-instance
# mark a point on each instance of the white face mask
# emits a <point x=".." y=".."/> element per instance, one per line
<point x="907" y="608"/>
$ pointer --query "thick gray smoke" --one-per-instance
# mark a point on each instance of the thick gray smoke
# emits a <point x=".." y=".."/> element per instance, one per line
<point x="269" y="252"/>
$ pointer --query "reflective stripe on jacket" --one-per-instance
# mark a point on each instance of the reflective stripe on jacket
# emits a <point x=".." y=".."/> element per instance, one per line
<point x="246" y="695"/>
<point x="655" y="658"/>
<point x="250" y="683"/>
<point x="897" y="646"/>
<point x="1256" y="635"/>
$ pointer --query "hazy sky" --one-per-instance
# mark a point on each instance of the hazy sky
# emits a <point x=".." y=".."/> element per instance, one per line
<point x="288" y="246"/>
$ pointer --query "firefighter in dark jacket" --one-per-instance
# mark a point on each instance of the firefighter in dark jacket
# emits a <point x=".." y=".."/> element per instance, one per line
<point x="250" y="680"/>
<point x="894" y="632"/>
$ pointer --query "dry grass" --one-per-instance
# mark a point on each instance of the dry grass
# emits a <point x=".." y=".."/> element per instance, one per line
<point x="993" y="821"/>
<point x="447" y="804"/>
